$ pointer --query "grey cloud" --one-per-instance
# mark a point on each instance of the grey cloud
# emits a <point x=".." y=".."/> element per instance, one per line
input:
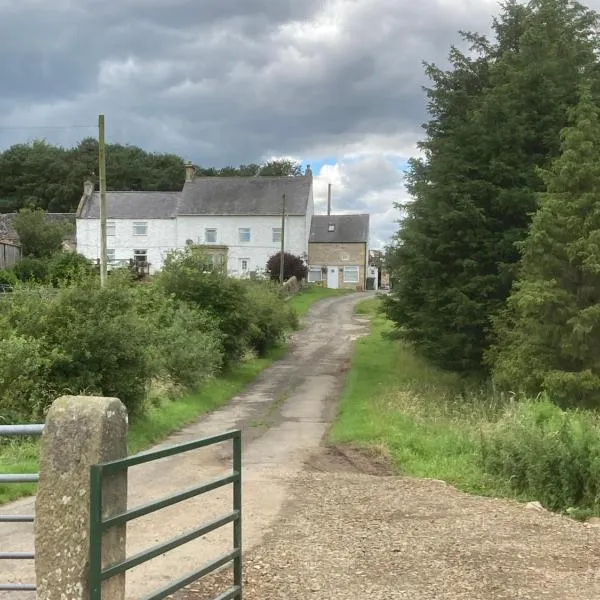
<point x="231" y="81"/>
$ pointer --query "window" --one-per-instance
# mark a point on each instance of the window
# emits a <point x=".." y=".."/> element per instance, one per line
<point x="210" y="236"/>
<point x="277" y="235"/>
<point x="244" y="234"/>
<point x="140" y="256"/>
<point x="331" y="227"/>
<point x="110" y="255"/>
<point x="350" y="274"/>
<point x="315" y="274"/>
<point x="140" y="228"/>
<point x="244" y="262"/>
<point x="111" y="228"/>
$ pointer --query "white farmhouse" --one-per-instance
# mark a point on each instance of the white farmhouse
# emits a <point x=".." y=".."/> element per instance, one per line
<point x="236" y="218"/>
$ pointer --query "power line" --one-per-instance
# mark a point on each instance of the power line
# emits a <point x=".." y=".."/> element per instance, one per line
<point x="31" y="127"/>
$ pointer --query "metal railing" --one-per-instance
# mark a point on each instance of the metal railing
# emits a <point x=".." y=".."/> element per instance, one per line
<point x="99" y="525"/>
<point x="18" y="430"/>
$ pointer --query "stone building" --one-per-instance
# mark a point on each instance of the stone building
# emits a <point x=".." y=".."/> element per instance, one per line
<point x="338" y="250"/>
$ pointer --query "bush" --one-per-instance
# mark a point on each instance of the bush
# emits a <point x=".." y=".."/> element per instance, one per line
<point x="188" y="277"/>
<point x="39" y="237"/>
<point x="89" y="341"/>
<point x="7" y="277"/>
<point x="32" y="269"/>
<point x="66" y="268"/>
<point x="187" y="345"/>
<point x="24" y="378"/>
<point x="547" y="454"/>
<point x="293" y="266"/>
<point x="271" y="316"/>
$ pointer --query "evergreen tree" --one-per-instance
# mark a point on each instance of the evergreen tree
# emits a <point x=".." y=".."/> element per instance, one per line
<point x="494" y="119"/>
<point x="549" y="335"/>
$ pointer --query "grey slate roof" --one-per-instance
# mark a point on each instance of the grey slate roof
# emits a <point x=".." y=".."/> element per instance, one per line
<point x="245" y="195"/>
<point x="349" y="229"/>
<point x="133" y="205"/>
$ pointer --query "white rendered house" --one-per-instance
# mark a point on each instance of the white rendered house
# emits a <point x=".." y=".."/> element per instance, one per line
<point x="239" y="216"/>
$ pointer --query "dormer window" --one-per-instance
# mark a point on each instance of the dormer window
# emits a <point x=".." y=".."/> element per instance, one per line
<point x="331" y="227"/>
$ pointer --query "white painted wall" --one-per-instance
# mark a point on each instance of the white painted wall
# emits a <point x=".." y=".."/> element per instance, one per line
<point x="261" y="245"/>
<point x="169" y="234"/>
<point x="161" y="237"/>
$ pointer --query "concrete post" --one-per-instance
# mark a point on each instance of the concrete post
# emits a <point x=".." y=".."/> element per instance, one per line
<point x="80" y="431"/>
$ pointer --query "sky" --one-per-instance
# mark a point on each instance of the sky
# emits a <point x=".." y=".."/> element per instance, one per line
<point x="336" y="84"/>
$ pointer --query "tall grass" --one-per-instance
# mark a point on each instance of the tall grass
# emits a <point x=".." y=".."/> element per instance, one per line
<point x="434" y="424"/>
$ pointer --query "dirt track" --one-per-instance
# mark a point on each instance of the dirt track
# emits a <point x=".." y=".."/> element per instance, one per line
<point x="328" y="525"/>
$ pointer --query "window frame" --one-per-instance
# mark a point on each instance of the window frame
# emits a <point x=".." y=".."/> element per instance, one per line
<point x="276" y="235"/>
<point x="315" y="269"/>
<point x="244" y="241"/>
<point x="111" y="229"/>
<point x="211" y="230"/>
<point x="111" y="255"/>
<point x="351" y="269"/>
<point x="241" y="262"/>
<point x="137" y="224"/>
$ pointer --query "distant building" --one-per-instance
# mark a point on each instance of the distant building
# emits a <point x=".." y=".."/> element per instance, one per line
<point x="338" y="250"/>
<point x="236" y="220"/>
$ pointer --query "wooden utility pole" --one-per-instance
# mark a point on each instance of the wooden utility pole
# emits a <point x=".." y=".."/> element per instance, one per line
<point x="102" y="172"/>
<point x="282" y="255"/>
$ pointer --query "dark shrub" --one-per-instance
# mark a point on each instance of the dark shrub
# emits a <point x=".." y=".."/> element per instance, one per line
<point x="293" y="266"/>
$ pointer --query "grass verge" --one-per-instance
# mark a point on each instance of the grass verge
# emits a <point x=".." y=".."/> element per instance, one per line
<point x="158" y="422"/>
<point x="303" y="301"/>
<point x="430" y="424"/>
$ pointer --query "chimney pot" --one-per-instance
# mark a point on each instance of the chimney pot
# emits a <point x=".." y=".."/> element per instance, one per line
<point x="189" y="171"/>
<point x="308" y="171"/>
<point x="88" y="187"/>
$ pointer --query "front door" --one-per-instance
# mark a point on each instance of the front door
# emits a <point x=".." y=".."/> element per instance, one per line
<point x="332" y="278"/>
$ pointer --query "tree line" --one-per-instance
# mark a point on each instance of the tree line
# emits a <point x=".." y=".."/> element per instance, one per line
<point x="50" y="177"/>
<point x="496" y="263"/>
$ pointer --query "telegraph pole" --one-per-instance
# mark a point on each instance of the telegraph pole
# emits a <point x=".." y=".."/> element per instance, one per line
<point x="102" y="172"/>
<point x="282" y="255"/>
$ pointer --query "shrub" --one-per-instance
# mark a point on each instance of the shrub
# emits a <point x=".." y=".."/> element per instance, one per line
<point x="66" y="268"/>
<point x="7" y="277"/>
<point x="547" y="454"/>
<point x="188" y="277"/>
<point x="32" y="269"/>
<point x="24" y="378"/>
<point x="39" y="237"/>
<point x="90" y="340"/>
<point x="293" y="266"/>
<point x="186" y="345"/>
<point x="271" y="316"/>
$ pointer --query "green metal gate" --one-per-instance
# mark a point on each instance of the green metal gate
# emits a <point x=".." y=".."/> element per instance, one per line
<point x="99" y="525"/>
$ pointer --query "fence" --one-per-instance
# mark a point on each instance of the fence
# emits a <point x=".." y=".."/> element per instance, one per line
<point x="18" y="430"/>
<point x="99" y="526"/>
<point x="10" y="254"/>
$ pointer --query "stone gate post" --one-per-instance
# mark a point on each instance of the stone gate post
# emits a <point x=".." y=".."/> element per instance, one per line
<point x="80" y="431"/>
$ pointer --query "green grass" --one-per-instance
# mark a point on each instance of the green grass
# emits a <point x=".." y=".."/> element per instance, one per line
<point x="158" y="422"/>
<point x="425" y="420"/>
<point x="303" y="301"/>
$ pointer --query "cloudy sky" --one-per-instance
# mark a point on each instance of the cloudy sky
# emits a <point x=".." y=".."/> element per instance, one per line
<point x="332" y="83"/>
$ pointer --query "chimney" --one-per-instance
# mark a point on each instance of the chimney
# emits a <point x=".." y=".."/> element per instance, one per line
<point x="88" y="188"/>
<point x="189" y="171"/>
<point x="308" y="171"/>
<point x="329" y="199"/>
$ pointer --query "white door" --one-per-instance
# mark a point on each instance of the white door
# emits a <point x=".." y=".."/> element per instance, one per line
<point x="332" y="277"/>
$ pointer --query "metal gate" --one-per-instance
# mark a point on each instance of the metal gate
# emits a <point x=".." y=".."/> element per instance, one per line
<point x="18" y="430"/>
<point x="99" y="525"/>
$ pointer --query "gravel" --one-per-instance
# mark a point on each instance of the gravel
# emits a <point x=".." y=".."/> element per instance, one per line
<point x="346" y="535"/>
